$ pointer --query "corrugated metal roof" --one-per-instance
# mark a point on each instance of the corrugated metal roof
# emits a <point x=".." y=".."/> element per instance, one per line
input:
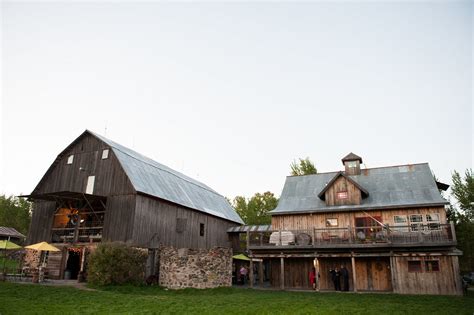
<point x="395" y="186"/>
<point x="250" y="228"/>
<point x="155" y="179"/>
<point x="9" y="231"/>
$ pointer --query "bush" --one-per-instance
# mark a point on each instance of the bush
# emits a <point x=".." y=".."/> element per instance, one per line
<point x="116" y="263"/>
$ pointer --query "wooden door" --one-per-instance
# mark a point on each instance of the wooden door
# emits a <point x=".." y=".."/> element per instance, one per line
<point x="373" y="274"/>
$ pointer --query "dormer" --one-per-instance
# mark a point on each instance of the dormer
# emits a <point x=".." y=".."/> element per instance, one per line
<point x="352" y="164"/>
<point x="343" y="190"/>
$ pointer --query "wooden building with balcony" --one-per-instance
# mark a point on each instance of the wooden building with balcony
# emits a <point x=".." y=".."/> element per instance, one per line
<point x="386" y="225"/>
<point x="98" y="190"/>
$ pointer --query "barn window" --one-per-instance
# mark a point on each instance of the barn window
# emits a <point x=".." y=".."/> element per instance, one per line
<point x="414" y="266"/>
<point x="352" y="164"/>
<point x="180" y="225"/>
<point x="431" y="265"/>
<point x="432" y="219"/>
<point x="90" y="185"/>
<point x="105" y="154"/>
<point x="70" y="159"/>
<point x="342" y="195"/>
<point x="400" y="222"/>
<point x="201" y="229"/>
<point x="331" y="222"/>
<point x="416" y="222"/>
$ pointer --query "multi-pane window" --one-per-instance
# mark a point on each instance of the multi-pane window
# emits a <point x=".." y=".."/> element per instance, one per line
<point x="105" y="154"/>
<point x="416" y="222"/>
<point x="352" y="164"/>
<point x="432" y="221"/>
<point x="431" y="265"/>
<point x="401" y="223"/>
<point x="414" y="266"/>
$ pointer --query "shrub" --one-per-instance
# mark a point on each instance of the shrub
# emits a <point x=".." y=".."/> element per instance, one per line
<point x="116" y="263"/>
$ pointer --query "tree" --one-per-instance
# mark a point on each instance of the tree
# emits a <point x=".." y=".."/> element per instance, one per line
<point x="463" y="216"/>
<point x="15" y="212"/>
<point x="304" y="167"/>
<point x="256" y="209"/>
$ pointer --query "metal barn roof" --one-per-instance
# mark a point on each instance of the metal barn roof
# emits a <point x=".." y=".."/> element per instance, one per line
<point x="155" y="179"/>
<point x="388" y="187"/>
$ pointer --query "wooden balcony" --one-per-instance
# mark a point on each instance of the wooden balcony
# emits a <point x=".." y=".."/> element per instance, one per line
<point x="433" y="234"/>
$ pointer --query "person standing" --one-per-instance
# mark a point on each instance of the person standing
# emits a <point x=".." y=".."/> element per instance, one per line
<point x="345" y="278"/>
<point x="336" y="278"/>
<point x="312" y="278"/>
<point x="243" y="274"/>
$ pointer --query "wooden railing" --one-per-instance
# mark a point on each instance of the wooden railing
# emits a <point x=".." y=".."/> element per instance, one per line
<point x="433" y="233"/>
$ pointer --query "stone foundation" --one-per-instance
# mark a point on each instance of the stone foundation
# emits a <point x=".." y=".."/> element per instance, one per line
<point x="195" y="268"/>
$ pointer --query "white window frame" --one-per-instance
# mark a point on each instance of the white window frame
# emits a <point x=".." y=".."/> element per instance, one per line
<point x="329" y="220"/>
<point x="105" y="154"/>
<point x="401" y="226"/>
<point x="90" y="185"/>
<point x="70" y="159"/>
<point x="433" y="225"/>
<point x="352" y="164"/>
<point x="415" y="226"/>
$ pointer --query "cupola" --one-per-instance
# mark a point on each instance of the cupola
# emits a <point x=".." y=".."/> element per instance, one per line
<point x="352" y="164"/>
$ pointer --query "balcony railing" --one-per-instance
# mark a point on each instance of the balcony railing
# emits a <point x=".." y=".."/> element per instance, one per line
<point x="430" y="234"/>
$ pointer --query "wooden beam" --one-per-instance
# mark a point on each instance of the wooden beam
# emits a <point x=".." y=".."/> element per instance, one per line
<point x="260" y="273"/>
<point x="354" y="276"/>
<point x="282" y="273"/>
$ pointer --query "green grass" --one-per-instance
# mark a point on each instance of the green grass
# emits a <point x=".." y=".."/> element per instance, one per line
<point x="30" y="298"/>
<point x="10" y="265"/>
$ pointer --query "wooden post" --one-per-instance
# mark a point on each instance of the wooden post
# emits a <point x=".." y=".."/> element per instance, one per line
<point x="317" y="278"/>
<point x="248" y="239"/>
<point x="261" y="239"/>
<point x="260" y="272"/>
<point x="453" y="232"/>
<point x="392" y="273"/>
<point x="354" y="276"/>
<point x="279" y="234"/>
<point x="313" y="241"/>
<point x="251" y="272"/>
<point x="282" y="273"/>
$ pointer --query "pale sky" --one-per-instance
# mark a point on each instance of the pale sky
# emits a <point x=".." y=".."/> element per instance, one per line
<point x="231" y="93"/>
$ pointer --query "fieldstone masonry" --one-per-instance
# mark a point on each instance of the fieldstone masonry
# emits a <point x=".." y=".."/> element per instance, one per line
<point x="195" y="268"/>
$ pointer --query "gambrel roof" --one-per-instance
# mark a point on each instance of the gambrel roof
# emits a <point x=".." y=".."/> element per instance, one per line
<point x="388" y="187"/>
<point x="155" y="179"/>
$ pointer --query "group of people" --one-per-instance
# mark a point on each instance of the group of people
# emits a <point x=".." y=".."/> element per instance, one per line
<point x="336" y="275"/>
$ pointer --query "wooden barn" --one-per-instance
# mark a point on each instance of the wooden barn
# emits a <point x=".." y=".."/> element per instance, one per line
<point x="387" y="226"/>
<point x="97" y="190"/>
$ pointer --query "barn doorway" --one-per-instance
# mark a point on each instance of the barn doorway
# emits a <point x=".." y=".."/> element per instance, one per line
<point x="73" y="264"/>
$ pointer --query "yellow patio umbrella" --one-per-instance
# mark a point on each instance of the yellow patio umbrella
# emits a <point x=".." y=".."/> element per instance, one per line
<point x="43" y="246"/>
<point x="5" y="245"/>
<point x="241" y="257"/>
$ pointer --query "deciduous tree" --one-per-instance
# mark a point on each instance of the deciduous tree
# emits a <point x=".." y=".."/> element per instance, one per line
<point x="303" y="167"/>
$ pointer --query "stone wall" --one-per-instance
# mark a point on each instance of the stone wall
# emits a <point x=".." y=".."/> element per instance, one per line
<point x="195" y="268"/>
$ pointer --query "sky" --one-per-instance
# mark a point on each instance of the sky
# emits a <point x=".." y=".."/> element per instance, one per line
<point x="231" y="93"/>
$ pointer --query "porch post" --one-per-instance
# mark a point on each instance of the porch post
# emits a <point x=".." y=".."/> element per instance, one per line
<point x="392" y="273"/>
<point x="260" y="272"/>
<point x="317" y="278"/>
<point x="354" y="276"/>
<point x="282" y="273"/>
<point x="251" y="272"/>
<point x="453" y="231"/>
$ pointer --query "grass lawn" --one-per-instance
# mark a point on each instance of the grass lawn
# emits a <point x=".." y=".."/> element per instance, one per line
<point x="30" y="298"/>
<point x="10" y="265"/>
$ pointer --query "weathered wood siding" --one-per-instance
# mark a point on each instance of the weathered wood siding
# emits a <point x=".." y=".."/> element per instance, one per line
<point x="110" y="179"/>
<point x="155" y="222"/>
<point x="345" y="219"/>
<point x="373" y="274"/>
<point x="41" y="222"/>
<point x="342" y="184"/>
<point x="119" y="218"/>
<point x="445" y="281"/>
<point x="296" y="272"/>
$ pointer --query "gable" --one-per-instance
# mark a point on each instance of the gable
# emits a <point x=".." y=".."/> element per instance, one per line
<point x="86" y="161"/>
<point x="342" y="192"/>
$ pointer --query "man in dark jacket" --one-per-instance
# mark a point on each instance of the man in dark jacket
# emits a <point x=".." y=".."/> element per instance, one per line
<point x="336" y="278"/>
<point x="345" y="278"/>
